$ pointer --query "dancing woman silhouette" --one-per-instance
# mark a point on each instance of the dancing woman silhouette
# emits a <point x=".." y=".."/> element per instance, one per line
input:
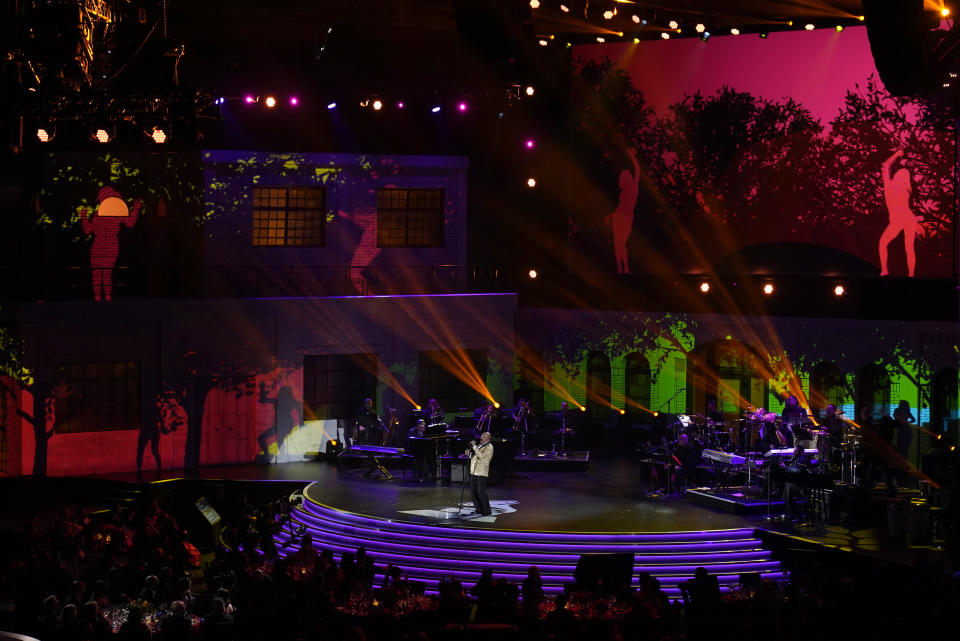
<point x="896" y="193"/>
<point x="621" y="220"/>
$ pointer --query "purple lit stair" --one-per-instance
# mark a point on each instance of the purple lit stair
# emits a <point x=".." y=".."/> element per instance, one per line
<point x="429" y="553"/>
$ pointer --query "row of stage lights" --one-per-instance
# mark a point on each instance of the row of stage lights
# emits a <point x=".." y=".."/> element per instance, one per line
<point x="768" y="288"/>
<point x="103" y="135"/>
<point x="674" y="26"/>
<point x="372" y="103"/>
<point x="160" y="134"/>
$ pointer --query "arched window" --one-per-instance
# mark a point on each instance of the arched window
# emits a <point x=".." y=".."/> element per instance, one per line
<point x="636" y="385"/>
<point x="598" y="386"/>
<point x="826" y="386"/>
<point x="873" y="391"/>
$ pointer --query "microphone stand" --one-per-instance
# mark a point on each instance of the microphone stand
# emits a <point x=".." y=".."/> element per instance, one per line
<point x="463" y="484"/>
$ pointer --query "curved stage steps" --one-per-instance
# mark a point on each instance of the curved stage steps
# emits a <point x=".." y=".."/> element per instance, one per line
<point x="429" y="553"/>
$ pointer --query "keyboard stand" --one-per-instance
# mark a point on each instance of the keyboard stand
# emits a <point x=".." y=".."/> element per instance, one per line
<point x="376" y="467"/>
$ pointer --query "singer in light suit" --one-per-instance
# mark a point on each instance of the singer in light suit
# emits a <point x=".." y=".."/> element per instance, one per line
<point x="480" y="456"/>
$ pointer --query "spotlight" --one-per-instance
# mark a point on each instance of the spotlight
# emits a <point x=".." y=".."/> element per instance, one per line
<point x="608" y="15"/>
<point x="861" y="18"/>
<point x="531" y="182"/>
<point x="44" y="135"/>
<point x="534" y="4"/>
<point x="656" y="414"/>
<point x="622" y="412"/>
<point x="636" y="41"/>
<point x="529" y="143"/>
<point x="839" y="28"/>
<point x="734" y="32"/>
<point x="809" y="26"/>
<point x="944" y="12"/>
<point x="532" y="274"/>
<point x="763" y="35"/>
<point x="400" y="105"/>
<point x="564" y="8"/>
<point x="294" y="101"/>
<point x="665" y="35"/>
<point x="583" y="409"/>
<point x="635" y="18"/>
<point x="700" y="27"/>
<point x="221" y="100"/>
<point x="529" y="90"/>
<point x="461" y="107"/>
<point x="542" y="42"/>
<point x="270" y="102"/>
<point x="249" y="99"/>
<point x="673" y="24"/>
<point x="158" y="135"/>
<point x="331" y="105"/>
<point x="839" y="290"/>
<point x="102" y="136"/>
<point x="436" y="109"/>
<point x="704" y="287"/>
<point x="496" y="405"/>
<point x="377" y="104"/>
<point x="601" y="39"/>
<point x="768" y="288"/>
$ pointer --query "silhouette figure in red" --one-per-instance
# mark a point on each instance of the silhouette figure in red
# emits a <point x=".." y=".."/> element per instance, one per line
<point x="104" y="224"/>
<point x="621" y="220"/>
<point x="896" y="193"/>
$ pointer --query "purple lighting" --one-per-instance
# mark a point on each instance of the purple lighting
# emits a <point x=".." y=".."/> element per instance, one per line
<point x="400" y="105"/>
<point x="294" y="101"/>
<point x="529" y="143"/>
<point x="462" y="107"/>
<point x="331" y="105"/>
<point x="249" y="100"/>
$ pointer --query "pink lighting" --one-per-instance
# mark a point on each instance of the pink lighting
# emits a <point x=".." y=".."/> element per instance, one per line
<point x="400" y="105"/>
<point x="529" y="143"/>
<point x="249" y="100"/>
<point x="462" y="107"/>
<point x="294" y="101"/>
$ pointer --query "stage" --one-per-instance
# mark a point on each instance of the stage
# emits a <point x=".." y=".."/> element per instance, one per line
<point x="541" y="517"/>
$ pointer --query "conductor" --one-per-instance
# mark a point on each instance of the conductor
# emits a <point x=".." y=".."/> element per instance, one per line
<point x="480" y="456"/>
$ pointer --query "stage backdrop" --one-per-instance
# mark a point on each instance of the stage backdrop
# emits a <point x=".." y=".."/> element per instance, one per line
<point x="775" y="155"/>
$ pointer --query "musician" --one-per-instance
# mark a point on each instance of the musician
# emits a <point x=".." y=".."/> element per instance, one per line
<point x="368" y="425"/>
<point x="684" y="460"/>
<point x="423" y="450"/>
<point x="480" y="456"/>
<point x="774" y="434"/>
<point x="833" y="424"/>
<point x="797" y="464"/>
<point x="484" y="419"/>
<point x="795" y="418"/>
<point x="434" y="413"/>
<point x="520" y="414"/>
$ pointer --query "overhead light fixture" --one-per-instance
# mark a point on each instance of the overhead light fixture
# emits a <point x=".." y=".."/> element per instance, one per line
<point x="532" y="274"/>
<point x="704" y="286"/>
<point x="377" y="104"/>
<point x="270" y="102"/>
<point x="158" y="135"/>
<point x="531" y="182"/>
<point x="768" y="288"/>
<point x="529" y="90"/>
<point x="839" y="289"/>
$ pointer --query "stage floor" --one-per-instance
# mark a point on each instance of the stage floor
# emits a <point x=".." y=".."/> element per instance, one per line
<point x="607" y="497"/>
